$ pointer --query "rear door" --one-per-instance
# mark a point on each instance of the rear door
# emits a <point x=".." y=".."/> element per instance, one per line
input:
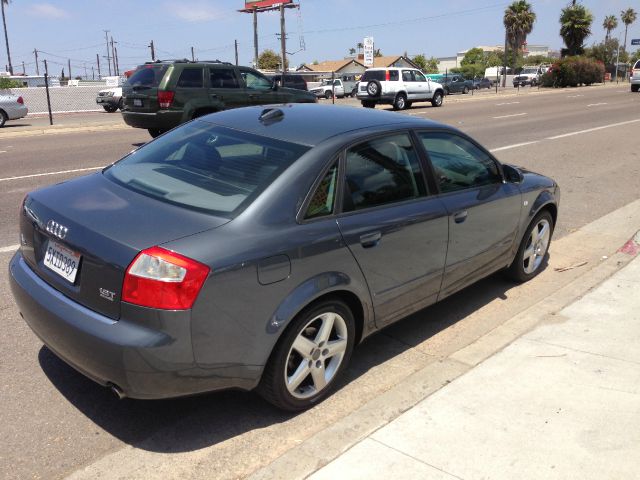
<point x="484" y="212"/>
<point x="225" y="88"/>
<point x="141" y="89"/>
<point x="394" y="229"/>
<point x="190" y="92"/>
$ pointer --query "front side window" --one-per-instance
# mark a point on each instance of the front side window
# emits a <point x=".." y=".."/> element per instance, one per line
<point x="205" y="167"/>
<point x="419" y="76"/>
<point x="458" y="163"/>
<point x="323" y="199"/>
<point x="382" y="171"/>
<point x="191" y="78"/>
<point x="256" y="82"/>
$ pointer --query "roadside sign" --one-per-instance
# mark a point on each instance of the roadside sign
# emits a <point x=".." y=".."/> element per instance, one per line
<point x="368" y="52"/>
<point x="635" y="41"/>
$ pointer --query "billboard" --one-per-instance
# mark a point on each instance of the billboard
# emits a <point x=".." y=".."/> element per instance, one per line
<point x="251" y="4"/>
<point x="368" y="52"/>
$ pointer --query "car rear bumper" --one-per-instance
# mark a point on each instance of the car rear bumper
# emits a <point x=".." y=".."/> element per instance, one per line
<point x="161" y="120"/>
<point x="383" y="98"/>
<point x="17" y="112"/>
<point x="147" y="353"/>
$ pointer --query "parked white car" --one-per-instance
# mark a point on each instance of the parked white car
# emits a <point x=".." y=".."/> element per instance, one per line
<point x="340" y="87"/>
<point x="110" y="99"/>
<point x="12" y="107"/>
<point x="635" y="77"/>
<point x="399" y="87"/>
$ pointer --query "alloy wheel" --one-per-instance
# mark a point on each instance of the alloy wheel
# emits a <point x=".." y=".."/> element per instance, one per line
<point x="537" y="246"/>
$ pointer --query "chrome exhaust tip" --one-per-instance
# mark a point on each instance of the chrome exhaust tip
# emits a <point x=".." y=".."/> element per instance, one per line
<point x="117" y="391"/>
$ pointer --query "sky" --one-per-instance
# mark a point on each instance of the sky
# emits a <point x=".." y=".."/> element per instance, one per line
<point x="74" y="29"/>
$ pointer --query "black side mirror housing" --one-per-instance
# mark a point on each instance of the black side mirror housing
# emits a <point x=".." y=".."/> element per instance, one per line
<point x="512" y="174"/>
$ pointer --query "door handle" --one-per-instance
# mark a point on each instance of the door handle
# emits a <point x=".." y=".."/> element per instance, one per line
<point x="369" y="240"/>
<point x="460" y="217"/>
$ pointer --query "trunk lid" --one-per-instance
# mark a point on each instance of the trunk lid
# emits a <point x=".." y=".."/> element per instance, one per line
<point x="107" y="226"/>
<point x="141" y="89"/>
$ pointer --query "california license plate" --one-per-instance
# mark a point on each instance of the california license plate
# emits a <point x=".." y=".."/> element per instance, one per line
<point x="137" y="102"/>
<point x="62" y="260"/>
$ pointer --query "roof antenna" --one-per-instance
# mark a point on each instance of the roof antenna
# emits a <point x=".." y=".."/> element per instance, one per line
<point x="271" y="115"/>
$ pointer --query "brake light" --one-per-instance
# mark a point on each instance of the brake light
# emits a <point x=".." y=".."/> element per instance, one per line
<point x="20" y="101"/>
<point x="165" y="98"/>
<point x="159" y="278"/>
<point x="387" y="75"/>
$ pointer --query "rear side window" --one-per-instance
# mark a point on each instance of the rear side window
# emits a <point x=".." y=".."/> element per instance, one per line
<point x="147" y="76"/>
<point x="381" y="171"/>
<point x="205" y="167"/>
<point x="323" y="199"/>
<point x="222" y="78"/>
<point x="191" y="78"/>
<point x="380" y="75"/>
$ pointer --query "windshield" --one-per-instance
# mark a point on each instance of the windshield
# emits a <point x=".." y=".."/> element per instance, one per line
<point x="530" y="70"/>
<point x="205" y="167"/>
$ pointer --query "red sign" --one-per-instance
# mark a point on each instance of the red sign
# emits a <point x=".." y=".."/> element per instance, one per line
<point x="251" y="4"/>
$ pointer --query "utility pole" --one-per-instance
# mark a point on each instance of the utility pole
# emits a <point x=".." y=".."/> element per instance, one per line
<point x="116" y="60"/>
<point x="93" y="73"/>
<point x="193" y="57"/>
<point x="106" y="37"/>
<point x="23" y="70"/>
<point x="85" y="70"/>
<point x="35" y="52"/>
<point x="69" y="65"/>
<point x="98" y="62"/>
<point x="153" y="51"/>
<point x="504" y="68"/>
<point x="6" y="38"/>
<point x="113" y="57"/>
<point x="236" y="43"/>
<point x="283" y="43"/>
<point x="255" y="38"/>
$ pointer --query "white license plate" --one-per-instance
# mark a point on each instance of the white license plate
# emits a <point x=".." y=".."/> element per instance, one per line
<point x="137" y="102"/>
<point x="62" y="261"/>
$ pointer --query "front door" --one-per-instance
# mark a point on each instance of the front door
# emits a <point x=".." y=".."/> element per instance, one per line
<point x="395" y="231"/>
<point x="484" y="212"/>
<point x="259" y="88"/>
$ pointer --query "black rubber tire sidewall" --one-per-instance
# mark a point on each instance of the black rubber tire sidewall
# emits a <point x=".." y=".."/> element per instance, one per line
<point x="272" y="387"/>
<point x="328" y="94"/>
<point x="400" y="102"/>
<point x="516" y="269"/>
<point x="434" y="100"/>
<point x="154" y="132"/>
<point x="3" y="118"/>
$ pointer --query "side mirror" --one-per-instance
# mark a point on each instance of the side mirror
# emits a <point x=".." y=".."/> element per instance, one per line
<point x="512" y="174"/>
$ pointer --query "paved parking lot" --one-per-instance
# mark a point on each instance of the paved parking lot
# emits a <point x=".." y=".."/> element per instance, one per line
<point x="55" y="421"/>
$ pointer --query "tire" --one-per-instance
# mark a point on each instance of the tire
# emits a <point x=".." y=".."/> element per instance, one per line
<point x="109" y="108"/>
<point x="634" y="88"/>
<point x="374" y="88"/>
<point x="316" y="367"/>
<point x="533" y="249"/>
<point x="328" y="95"/>
<point x="447" y="91"/>
<point x="400" y="102"/>
<point x="409" y="104"/>
<point x="367" y="104"/>
<point x="354" y="92"/>
<point x="465" y="90"/>
<point x="154" y="132"/>
<point x="436" y="100"/>
<point x="121" y="104"/>
<point x="3" y="118"/>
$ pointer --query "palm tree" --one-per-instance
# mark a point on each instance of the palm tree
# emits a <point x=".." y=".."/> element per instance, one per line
<point x="6" y="36"/>
<point x="610" y="23"/>
<point x="575" y="27"/>
<point x="518" y="22"/>
<point x="627" y="16"/>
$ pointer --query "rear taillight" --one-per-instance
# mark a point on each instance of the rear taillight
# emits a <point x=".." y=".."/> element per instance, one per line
<point x="159" y="278"/>
<point x="165" y="98"/>
<point x="20" y="101"/>
<point x="387" y="75"/>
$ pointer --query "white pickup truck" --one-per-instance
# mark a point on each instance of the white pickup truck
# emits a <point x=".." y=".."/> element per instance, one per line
<point x="342" y="88"/>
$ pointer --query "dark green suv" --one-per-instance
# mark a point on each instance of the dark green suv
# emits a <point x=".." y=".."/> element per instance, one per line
<point x="163" y="94"/>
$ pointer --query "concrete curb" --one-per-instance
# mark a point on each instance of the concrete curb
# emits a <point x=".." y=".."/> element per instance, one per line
<point x="62" y="130"/>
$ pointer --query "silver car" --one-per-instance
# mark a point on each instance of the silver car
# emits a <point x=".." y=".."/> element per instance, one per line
<point x="12" y="107"/>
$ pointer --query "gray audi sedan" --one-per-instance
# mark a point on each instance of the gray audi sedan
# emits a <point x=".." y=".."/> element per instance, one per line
<point x="254" y="248"/>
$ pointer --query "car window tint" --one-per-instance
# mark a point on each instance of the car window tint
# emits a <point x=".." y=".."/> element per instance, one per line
<point x="458" y="164"/>
<point x="222" y="78"/>
<point x="382" y="171"/>
<point x="394" y="75"/>
<point x="373" y="75"/>
<point x="323" y="199"/>
<point x="406" y="76"/>
<point x="147" y="76"/>
<point x="191" y="78"/>
<point x="256" y="82"/>
<point x="206" y="167"/>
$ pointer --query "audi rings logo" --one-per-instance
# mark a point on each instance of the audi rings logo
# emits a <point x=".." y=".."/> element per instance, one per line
<point x="54" y="228"/>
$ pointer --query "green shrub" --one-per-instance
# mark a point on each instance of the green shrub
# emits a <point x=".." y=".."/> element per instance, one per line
<point x="8" y="83"/>
<point x="574" y="71"/>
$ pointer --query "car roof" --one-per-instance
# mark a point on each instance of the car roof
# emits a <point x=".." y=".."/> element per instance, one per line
<point x="309" y="123"/>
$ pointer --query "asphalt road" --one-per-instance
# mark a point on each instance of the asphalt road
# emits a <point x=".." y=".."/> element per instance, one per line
<point x="54" y="421"/>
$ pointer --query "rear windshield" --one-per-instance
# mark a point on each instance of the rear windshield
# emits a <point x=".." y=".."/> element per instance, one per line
<point x="206" y="167"/>
<point x="147" y="75"/>
<point x="380" y="75"/>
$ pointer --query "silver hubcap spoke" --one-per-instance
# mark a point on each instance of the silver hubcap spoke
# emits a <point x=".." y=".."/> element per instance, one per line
<point x="536" y="246"/>
<point x="316" y="355"/>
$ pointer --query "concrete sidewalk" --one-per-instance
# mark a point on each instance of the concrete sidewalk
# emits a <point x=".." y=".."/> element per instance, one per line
<point x="560" y="402"/>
